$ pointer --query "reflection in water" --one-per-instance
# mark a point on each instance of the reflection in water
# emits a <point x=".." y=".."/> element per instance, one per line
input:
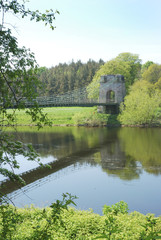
<point x="144" y="145"/>
<point x="119" y="148"/>
<point x="115" y="162"/>
<point x="122" y="153"/>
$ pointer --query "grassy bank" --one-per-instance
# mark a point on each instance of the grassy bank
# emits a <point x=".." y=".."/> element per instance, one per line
<point x="70" y="116"/>
<point x="77" y="116"/>
<point x="60" y="222"/>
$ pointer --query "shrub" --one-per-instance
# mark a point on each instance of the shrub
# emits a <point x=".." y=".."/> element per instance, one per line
<point x="120" y="207"/>
<point x="140" y="106"/>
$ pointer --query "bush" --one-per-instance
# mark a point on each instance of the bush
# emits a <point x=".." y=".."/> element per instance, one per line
<point x="59" y="222"/>
<point x="91" y="118"/>
<point x="140" y="106"/>
<point x="120" y="207"/>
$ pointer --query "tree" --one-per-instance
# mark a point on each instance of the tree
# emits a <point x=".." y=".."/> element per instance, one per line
<point x="135" y="66"/>
<point x="145" y="66"/>
<point x="140" y="106"/>
<point x="18" y="84"/>
<point x="152" y="74"/>
<point x="67" y="77"/>
<point x="126" y="64"/>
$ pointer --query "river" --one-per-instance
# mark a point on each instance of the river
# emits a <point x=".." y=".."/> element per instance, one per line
<point x="98" y="165"/>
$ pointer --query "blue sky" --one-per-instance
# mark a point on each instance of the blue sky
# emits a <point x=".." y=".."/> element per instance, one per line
<point x="93" y="29"/>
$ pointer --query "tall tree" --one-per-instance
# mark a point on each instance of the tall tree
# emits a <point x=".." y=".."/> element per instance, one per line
<point x="134" y="63"/>
<point x="18" y="81"/>
<point x="145" y="66"/>
<point x="126" y="64"/>
<point x="152" y="74"/>
<point x="67" y="77"/>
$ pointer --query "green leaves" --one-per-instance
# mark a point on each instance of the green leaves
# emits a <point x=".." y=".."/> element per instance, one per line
<point x="111" y="227"/>
<point x="126" y="64"/>
<point x="140" y="105"/>
<point x="150" y="232"/>
<point x="9" y="149"/>
<point x="17" y="8"/>
<point x="47" y="17"/>
<point x="152" y="74"/>
<point x="18" y="84"/>
<point x="118" y="208"/>
<point x="41" y="223"/>
<point x="55" y="220"/>
<point x="59" y="206"/>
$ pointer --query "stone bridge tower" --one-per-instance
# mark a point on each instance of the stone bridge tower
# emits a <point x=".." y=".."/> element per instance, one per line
<point x="112" y="93"/>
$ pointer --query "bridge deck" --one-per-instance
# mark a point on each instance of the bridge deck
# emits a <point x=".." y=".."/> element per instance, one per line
<point x="66" y="104"/>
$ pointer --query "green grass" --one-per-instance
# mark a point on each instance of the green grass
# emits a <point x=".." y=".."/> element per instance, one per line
<point x="66" y="116"/>
<point x="69" y="116"/>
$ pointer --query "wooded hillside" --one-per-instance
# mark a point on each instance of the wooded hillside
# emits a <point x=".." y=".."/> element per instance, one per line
<point x="66" y="77"/>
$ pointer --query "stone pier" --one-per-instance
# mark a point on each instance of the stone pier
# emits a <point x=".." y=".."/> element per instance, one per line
<point x="112" y="91"/>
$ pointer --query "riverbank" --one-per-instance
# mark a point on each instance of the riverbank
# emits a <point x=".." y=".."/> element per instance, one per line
<point x="77" y="116"/>
<point x="60" y="222"/>
<point x="70" y="116"/>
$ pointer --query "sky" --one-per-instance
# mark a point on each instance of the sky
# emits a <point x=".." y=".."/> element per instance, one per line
<point x="92" y="29"/>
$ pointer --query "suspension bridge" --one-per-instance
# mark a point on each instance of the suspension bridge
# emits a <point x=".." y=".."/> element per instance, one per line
<point x="111" y="94"/>
<point x="77" y="97"/>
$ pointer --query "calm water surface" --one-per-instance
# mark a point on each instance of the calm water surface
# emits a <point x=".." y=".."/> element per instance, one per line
<point x="99" y="165"/>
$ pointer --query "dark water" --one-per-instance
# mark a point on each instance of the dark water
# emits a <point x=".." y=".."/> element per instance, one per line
<point x="99" y="165"/>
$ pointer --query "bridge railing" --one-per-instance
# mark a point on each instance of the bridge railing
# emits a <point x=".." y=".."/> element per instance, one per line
<point x="55" y="101"/>
<point x="77" y="97"/>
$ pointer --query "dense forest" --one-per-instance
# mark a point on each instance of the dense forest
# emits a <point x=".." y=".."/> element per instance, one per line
<point x="67" y="77"/>
<point x="142" y="104"/>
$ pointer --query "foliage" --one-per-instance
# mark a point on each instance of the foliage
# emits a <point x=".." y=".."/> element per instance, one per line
<point x="126" y="64"/>
<point x="153" y="74"/>
<point x="61" y="222"/>
<point x="9" y="220"/>
<point x="54" y="220"/>
<point x="18" y="81"/>
<point x="145" y="66"/>
<point x="135" y="66"/>
<point x="92" y="118"/>
<point x="140" y="106"/>
<point x="8" y="160"/>
<point x="150" y="232"/>
<point x="111" y="227"/>
<point x="120" y="207"/>
<point x="67" y="77"/>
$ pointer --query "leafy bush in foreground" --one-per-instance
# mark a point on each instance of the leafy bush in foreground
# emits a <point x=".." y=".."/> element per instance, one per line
<point x="61" y="222"/>
<point x="120" y="207"/>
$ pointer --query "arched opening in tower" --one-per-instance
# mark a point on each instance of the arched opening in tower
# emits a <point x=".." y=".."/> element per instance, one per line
<point x="110" y="96"/>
